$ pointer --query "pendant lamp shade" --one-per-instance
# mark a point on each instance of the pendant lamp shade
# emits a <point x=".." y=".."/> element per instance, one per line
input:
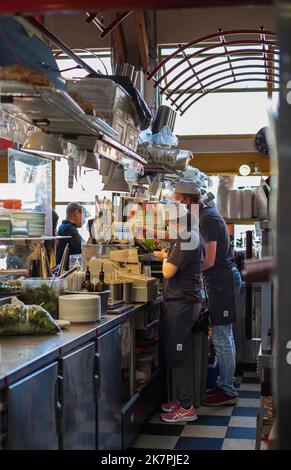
<point x="44" y="145"/>
<point x="117" y="183"/>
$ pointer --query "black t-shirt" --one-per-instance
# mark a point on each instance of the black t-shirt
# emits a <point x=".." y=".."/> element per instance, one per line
<point x="213" y="229"/>
<point x="75" y="242"/>
<point x="186" y="284"/>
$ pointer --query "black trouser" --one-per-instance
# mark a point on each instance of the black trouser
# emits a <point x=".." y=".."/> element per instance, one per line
<point x="182" y="372"/>
<point x="181" y="377"/>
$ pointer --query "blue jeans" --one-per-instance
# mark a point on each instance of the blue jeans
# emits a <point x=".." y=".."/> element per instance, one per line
<point x="237" y="280"/>
<point x="223" y="342"/>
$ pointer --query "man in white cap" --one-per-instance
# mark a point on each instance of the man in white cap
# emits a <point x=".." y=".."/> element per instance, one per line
<point x="219" y="283"/>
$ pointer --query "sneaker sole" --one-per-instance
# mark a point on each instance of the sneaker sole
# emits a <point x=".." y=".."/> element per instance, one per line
<point x="192" y="418"/>
<point x="223" y="403"/>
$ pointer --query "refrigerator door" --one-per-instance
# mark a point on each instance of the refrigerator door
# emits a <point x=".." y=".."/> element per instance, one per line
<point x="79" y="405"/>
<point x="32" y="411"/>
<point x="109" y="402"/>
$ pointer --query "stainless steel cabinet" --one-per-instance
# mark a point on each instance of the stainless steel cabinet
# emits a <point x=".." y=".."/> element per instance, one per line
<point x="79" y="395"/>
<point x="31" y="411"/>
<point x="109" y="400"/>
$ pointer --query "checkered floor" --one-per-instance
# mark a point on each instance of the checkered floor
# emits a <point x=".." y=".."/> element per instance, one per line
<point x="219" y="428"/>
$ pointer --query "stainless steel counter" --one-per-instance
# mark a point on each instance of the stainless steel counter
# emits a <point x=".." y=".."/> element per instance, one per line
<point x="22" y="355"/>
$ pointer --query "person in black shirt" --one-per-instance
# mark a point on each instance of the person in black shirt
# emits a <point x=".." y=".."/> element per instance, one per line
<point x="219" y="284"/>
<point x="182" y="302"/>
<point x="69" y="227"/>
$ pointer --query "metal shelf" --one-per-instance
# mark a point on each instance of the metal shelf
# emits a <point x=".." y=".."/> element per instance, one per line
<point x="56" y="112"/>
<point x="50" y="109"/>
<point x="27" y="240"/>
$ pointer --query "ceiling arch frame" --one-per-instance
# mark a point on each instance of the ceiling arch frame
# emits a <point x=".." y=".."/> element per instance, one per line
<point x="260" y="47"/>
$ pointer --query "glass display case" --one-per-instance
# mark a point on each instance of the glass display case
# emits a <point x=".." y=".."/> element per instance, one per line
<point x="24" y="168"/>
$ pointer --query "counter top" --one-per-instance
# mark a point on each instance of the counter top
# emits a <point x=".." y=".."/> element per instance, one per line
<point x="21" y="355"/>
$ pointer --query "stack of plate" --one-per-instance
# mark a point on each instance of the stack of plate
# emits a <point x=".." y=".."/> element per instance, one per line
<point x="80" y="308"/>
<point x="35" y="221"/>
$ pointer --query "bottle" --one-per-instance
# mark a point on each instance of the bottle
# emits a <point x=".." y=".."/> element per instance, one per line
<point x="87" y="283"/>
<point x="100" y="286"/>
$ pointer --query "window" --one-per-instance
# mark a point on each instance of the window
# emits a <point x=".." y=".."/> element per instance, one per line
<point x="99" y="60"/>
<point x="237" y="108"/>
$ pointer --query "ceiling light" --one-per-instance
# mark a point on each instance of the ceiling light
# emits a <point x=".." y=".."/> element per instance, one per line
<point x="43" y="145"/>
<point x="244" y="170"/>
<point x="250" y="168"/>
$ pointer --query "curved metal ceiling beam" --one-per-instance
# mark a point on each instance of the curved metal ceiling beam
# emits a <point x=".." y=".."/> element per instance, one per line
<point x="206" y="59"/>
<point x="192" y="86"/>
<point x="205" y="69"/>
<point x="207" y="38"/>
<point x="210" y="48"/>
<point x="219" y="80"/>
<point x="224" y="85"/>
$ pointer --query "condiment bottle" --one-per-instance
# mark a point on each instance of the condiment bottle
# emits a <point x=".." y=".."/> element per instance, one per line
<point x="100" y="286"/>
<point x="87" y="283"/>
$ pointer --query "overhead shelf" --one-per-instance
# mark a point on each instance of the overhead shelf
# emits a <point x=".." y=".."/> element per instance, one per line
<point x="56" y="112"/>
<point x="50" y="109"/>
<point x="27" y="240"/>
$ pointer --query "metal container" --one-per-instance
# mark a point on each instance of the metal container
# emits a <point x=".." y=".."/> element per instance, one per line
<point x="165" y="116"/>
<point x="126" y="70"/>
<point x="116" y="289"/>
<point x="127" y="292"/>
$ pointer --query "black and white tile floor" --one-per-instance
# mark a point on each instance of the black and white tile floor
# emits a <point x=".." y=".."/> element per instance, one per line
<point x="219" y="428"/>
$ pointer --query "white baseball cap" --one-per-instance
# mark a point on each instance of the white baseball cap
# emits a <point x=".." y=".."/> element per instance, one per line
<point x="187" y="187"/>
<point x="174" y="211"/>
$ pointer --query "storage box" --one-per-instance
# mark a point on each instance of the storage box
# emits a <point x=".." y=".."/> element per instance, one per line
<point x="144" y="294"/>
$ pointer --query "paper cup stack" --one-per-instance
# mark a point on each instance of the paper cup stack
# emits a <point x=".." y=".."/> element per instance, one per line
<point x="80" y="308"/>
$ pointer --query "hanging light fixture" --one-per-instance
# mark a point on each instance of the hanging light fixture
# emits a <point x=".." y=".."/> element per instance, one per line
<point x="117" y="183"/>
<point x="43" y="145"/>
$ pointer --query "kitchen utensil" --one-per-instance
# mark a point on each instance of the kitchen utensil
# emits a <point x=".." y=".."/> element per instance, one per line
<point x="80" y="308"/>
<point x="165" y="116"/>
<point x="67" y="273"/>
<point x="64" y="260"/>
<point x="126" y="70"/>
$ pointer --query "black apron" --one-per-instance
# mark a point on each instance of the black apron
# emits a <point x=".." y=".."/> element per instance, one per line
<point x="177" y="320"/>
<point x="221" y="298"/>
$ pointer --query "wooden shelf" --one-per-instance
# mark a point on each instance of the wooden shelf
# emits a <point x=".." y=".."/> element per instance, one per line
<point x="241" y="221"/>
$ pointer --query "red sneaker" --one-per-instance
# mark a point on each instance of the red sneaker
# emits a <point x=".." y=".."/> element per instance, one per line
<point x="180" y="415"/>
<point x="219" y="397"/>
<point x="171" y="406"/>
